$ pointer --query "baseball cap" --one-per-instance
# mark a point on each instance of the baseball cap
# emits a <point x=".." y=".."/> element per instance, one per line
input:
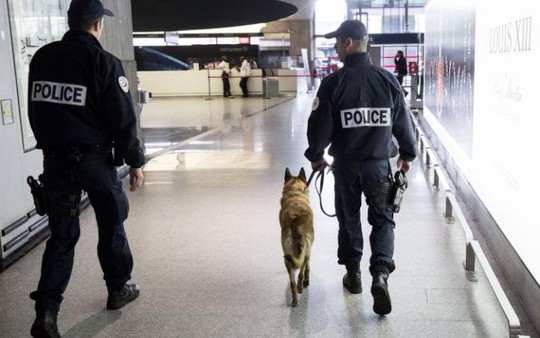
<point x="353" y="29"/>
<point x="88" y="9"/>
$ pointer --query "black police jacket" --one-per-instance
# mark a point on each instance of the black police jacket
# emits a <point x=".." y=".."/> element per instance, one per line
<point x="357" y="111"/>
<point x="78" y="95"/>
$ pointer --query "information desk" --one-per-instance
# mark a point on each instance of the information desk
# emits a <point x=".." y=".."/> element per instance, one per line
<point x="203" y="82"/>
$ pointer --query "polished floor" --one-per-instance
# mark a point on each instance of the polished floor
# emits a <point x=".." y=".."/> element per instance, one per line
<point x="205" y="236"/>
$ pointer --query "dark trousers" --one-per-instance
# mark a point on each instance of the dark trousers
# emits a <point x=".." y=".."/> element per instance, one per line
<point x="400" y="80"/>
<point x="352" y="179"/>
<point x="243" y="85"/>
<point x="226" y="85"/>
<point x="64" y="177"/>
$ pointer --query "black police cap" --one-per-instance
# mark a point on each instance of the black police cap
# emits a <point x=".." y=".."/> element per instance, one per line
<point x="88" y="9"/>
<point x="353" y="29"/>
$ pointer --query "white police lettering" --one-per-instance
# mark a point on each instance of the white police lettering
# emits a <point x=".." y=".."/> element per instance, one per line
<point x="365" y="117"/>
<point x="62" y="93"/>
<point x="123" y="83"/>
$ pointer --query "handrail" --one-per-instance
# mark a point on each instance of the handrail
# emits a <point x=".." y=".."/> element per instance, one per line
<point x="511" y="316"/>
<point x="473" y="250"/>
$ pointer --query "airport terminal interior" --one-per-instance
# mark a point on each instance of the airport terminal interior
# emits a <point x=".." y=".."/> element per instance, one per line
<point x="205" y="235"/>
<point x="204" y="228"/>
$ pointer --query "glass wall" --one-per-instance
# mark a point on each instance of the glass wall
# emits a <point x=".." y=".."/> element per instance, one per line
<point x="380" y="17"/>
<point x="329" y="14"/>
<point x="34" y="23"/>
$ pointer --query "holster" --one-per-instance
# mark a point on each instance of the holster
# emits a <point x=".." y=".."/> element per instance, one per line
<point x="118" y="156"/>
<point x="398" y="189"/>
<point x="38" y="193"/>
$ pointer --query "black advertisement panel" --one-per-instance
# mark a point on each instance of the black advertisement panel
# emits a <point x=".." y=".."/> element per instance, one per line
<point x="180" y="57"/>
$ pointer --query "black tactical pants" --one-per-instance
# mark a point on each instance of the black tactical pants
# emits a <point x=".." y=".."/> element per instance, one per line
<point x="64" y="176"/>
<point x="351" y="180"/>
<point x="244" y="86"/>
<point x="226" y="84"/>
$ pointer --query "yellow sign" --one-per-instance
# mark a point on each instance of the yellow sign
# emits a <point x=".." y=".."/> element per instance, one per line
<point x="7" y="111"/>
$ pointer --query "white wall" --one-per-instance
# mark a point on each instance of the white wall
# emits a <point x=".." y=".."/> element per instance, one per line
<point x="15" y="164"/>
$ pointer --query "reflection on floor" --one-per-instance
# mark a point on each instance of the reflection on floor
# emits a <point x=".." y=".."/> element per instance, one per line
<point x="205" y="236"/>
<point x="168" y="121"/>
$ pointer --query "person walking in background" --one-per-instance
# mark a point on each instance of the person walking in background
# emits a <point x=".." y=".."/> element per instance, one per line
<point x="76" y="128"/>
<point x="401" y="68"/>
<point x="225" y="73"/>
<point x="245" y="72"/>
<point x="357" y="111"/>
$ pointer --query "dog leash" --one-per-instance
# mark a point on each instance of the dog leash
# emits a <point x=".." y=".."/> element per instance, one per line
<point x="319" y="191"/>
<point x="310" y="178"/>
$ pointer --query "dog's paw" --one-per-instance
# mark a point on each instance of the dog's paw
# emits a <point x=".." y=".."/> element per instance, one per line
<point x="306" y="283"/>
<point x="295" y="302"/>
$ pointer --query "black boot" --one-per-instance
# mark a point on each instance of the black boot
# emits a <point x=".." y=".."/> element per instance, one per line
<point x="118" y="299"/>
<point x="45" y="325"/>
<point x="379" y="289"/>
<point x="352" y="281"/>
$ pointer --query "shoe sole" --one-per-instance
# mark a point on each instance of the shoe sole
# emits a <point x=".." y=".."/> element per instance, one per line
<point x="350" y="289"/>
<point x="382" y="304"/>
<point x="124" y="302"/>
<point x="43" y="333"/>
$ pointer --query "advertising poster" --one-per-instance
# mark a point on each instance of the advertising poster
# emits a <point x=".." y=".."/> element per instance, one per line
<point x="482" y="101"/>
<point x="449" y="73"/>
<point x="506" y="121"/>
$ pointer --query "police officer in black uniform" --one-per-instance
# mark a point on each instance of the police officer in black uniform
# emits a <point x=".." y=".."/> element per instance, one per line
<point x="79" y="108"/>
<point x="357" y="111"/>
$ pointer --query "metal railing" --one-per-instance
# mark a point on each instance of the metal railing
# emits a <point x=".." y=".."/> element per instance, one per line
<point x="473" y="250"/>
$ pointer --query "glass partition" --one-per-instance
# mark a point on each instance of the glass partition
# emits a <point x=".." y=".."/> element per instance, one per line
<point x="34" y="23"/>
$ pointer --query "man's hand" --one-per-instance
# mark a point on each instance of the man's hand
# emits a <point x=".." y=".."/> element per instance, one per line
<point x="403" y="165"/>
<point x="136" y="178"/>
<point x="319" y="165"/>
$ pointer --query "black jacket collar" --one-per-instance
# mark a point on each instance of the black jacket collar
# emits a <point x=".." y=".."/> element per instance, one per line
<point x="357" y="59"/>
<point x="82" y="36"/>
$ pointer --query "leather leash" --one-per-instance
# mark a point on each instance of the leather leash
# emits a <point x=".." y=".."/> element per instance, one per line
<point x="319" y="190"/>
<point x="310" y="178"/>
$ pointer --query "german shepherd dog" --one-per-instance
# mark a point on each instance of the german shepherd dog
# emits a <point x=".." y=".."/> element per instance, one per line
<point x="297" y="234"/>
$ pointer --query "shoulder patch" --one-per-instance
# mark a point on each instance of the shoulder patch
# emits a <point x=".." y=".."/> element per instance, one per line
<point x="315" y="104"/>
<point x="123" y="83"/>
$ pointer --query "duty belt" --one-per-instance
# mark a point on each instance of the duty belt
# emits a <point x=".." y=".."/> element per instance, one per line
<point x="98" y="148"/>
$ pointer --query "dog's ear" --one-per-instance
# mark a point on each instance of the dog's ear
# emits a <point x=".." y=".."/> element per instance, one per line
<point x="288" y="175"/>
<point x="302" y="175"/>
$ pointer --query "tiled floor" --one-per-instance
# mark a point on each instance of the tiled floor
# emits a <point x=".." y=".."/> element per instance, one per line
<point x="205" y="235"/>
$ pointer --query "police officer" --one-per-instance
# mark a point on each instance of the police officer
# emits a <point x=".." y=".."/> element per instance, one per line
<point x="79" y="107"/>
<point x="357" y="111"/>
